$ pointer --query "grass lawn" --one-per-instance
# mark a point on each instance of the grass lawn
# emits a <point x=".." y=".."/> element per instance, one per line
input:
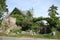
<point x="49" y="36"/>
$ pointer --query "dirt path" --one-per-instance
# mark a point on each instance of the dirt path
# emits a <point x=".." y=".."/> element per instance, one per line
<point x="23" y="38"/>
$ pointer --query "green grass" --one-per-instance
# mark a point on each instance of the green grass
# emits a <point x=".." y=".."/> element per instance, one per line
<point x="57" y="36"/>
<point x="49" y="36"/>
<point x="35" y="36"/>
<point x="20" y="35"/>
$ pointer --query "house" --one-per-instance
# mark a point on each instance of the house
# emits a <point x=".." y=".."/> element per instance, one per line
<point x="10" y="20"/>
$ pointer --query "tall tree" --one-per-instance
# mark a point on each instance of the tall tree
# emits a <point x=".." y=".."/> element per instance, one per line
<point x="53" y="18"/>
<point x="2" y="7"/>
<point x="52" y="11"/>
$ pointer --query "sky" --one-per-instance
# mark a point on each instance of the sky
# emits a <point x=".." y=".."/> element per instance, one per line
<point x="40" y="7"/>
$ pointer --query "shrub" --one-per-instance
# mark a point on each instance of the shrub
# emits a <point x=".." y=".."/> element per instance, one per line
<point x="16" y="30"/>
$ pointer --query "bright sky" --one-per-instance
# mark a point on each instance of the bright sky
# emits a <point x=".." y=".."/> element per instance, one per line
<point x="40" y="6"/>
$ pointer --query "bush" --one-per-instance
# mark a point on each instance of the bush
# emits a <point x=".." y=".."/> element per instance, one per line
<point x="36" y="27"/>
<point x="16" y="30"/>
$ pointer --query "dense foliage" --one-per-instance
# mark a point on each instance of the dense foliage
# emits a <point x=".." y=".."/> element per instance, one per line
<point x="3" y="7"/>
<point x="26" y="21"/>
<point x="18" y="15"/>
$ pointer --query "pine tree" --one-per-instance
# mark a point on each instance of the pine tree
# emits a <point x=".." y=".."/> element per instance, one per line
<point x="52" y="11"/>
<point x="53" y="18"/>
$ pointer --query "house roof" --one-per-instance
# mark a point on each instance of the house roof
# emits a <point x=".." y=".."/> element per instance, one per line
<point x="14" y="10"/>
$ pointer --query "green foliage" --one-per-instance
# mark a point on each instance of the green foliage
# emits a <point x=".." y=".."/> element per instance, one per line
<point x="52" y="13"/>
<point x="38" y="19"/>
<point x="2" y="7"/>
<point x="0" y="21"/>
<point x="26" y="24"/>
<point x="29" y="14"/>
<point x="16" y="30"/>
<point x="27" y="21"/>
<point x="35" y="26"/>
<point x="16" y="13"/>
<point x="52" y="21"/>
<point x="19" y="20"/>
<point x="1" y="14"/>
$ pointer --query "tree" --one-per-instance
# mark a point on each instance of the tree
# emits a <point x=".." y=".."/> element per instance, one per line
<point x="53" y="18"/>
<point x="29" y="14"/>
<point x="2" y="8"/>
<point x="27" y="22"/>
<point x="52" y="11"/>
<point x="3" y="5"/>
<point x="26" y="25"/>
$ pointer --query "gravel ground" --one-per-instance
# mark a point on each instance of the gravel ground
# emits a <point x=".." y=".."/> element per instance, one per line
<point x="23" y="38"/>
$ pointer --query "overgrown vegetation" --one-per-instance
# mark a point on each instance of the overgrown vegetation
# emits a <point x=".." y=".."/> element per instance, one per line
<point x="27" y="22"/>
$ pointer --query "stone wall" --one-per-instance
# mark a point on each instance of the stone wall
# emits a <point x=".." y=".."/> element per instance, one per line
<point x="10" y="23"/>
